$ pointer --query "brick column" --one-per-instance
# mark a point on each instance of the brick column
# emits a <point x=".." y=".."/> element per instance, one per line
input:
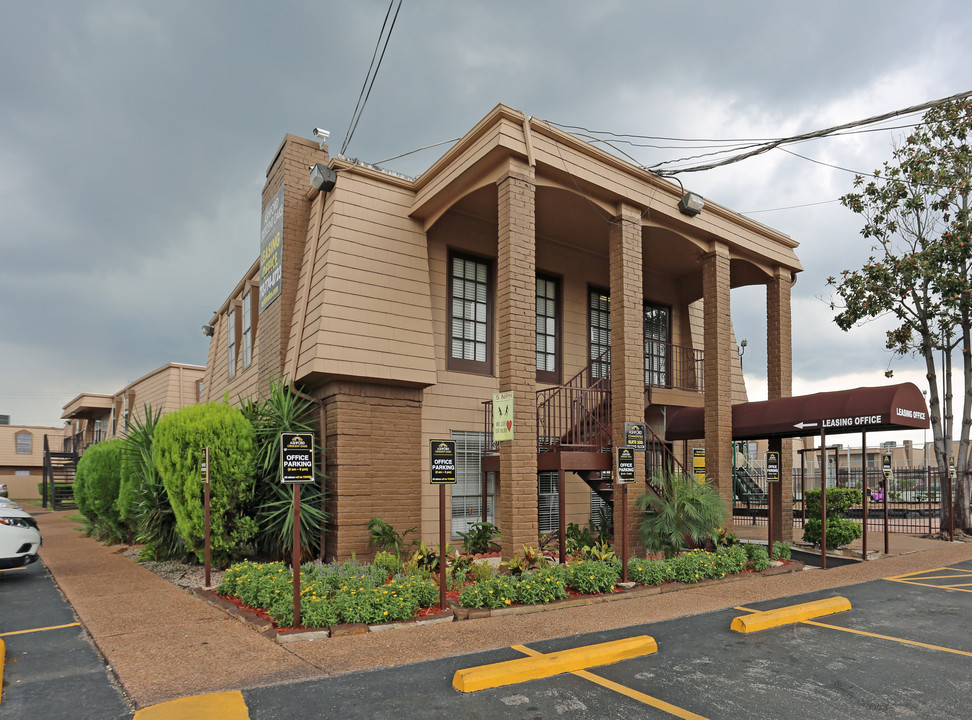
<point x="516" y="345"/>
<point x="718" y="372"/>
<point x="779" y="375"/>
<point x="627" y="356"/>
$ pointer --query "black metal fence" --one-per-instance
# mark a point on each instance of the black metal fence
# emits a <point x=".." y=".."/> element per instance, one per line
<point x="912" y="501"/>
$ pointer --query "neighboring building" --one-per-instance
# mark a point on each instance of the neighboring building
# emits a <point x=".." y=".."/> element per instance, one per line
<point x="523" y="260"/>
<point x="93" y="417"/>
<point x="22" y="457"/>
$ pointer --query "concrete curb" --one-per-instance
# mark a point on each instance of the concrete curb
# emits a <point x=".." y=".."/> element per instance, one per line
<point x="3" y="658"/>
<point x="788" y="615"/>
<point x="541" y="666"/>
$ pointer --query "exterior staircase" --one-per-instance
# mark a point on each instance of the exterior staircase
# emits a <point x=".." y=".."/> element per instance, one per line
<point x="59" y="470"/>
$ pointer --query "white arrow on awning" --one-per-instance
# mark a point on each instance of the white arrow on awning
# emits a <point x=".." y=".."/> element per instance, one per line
<point x="803" y="425"/>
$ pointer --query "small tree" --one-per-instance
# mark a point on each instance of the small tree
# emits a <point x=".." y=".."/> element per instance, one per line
<point x="916" y="213"/>
<point x="840" y="530"/>
<point x="178" y="447"/>
<point x="96" y="484"/>
<point x="684" y="513"/>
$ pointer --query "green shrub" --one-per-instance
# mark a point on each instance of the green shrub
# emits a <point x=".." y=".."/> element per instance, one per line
<point x="178" y="447"/>
<point x="273" y="502"/>
<point x="480" y="538"/>
<point x="683" y="512"/>
<point x="649" y="572"/>
<point x="729" y="560"/>
<point x="96" y="484"/>
<point x="496" y="592"/>
<point x="692" y="566"/>
<point x="758" y="557"/>
<point x="385" y="537"/>
<point x="482" y="570"/>
<point x="391" y="564"/>
<point x="541" y="586"/>
<point x="840" y="530"/>
<point x="592" y="576"/>
<point x="781" y="550"/>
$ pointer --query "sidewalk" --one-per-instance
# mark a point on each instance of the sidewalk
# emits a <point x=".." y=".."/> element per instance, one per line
<point x="163" y="643"/>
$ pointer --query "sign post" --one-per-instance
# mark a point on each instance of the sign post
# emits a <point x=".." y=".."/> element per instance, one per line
<point x="207" y="541"/>
<point x="442" y="455"/>
<point x="296" y="468"/>
<point x="772" y="476"/>
<point x="888" y="477"/>
<point x="625" y="474"/>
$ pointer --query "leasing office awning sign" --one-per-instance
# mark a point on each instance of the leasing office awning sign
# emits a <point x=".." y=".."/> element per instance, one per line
<point x="271" y="250"/>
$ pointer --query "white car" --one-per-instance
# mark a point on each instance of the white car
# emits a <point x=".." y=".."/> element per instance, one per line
<point x="19" y="537"/>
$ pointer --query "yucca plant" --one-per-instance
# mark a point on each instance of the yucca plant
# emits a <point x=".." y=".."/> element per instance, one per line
<point x="283" y="411"/>
<point x="685" y="513"/>
<point x="142" y="498"/>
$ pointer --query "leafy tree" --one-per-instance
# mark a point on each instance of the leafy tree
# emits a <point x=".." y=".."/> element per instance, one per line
<point x="915" y="212"/>
<point x="177" y="447"/>
<point x="685" y="513"/>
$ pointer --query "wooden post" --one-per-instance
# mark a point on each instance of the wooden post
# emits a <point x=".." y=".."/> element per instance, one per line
<point x="864" y="497"/>
<point x="206" y="540"/>
<point x="823" y="499"/>
<point x="295" y="554"/>
<point x="442" y="549"/>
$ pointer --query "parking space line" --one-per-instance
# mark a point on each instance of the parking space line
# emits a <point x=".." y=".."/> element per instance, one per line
<point x="903" y="641"/>
<point x="922" y="578"/>
<point x="624" y="690"/>
<point x="33" y="630"/>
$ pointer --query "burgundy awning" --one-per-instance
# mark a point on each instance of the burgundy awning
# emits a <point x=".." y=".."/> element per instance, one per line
<point x="870" y="409"/>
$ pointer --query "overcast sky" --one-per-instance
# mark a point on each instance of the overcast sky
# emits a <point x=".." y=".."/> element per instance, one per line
<point x="135" y="136"/>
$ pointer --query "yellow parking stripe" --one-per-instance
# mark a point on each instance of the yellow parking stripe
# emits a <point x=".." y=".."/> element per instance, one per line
<point x="922" y="578"/>
<point x="892" y="639"/>
<point x="626" y="691"/>
<point x="33" y="630"/>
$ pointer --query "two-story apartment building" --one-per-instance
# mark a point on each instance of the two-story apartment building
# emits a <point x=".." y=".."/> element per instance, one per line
<point x="525" y="260"/>
<point x="22" y="457"/>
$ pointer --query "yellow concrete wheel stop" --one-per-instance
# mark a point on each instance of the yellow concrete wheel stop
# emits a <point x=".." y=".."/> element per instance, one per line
<point x="541" y="666"/>
<point x="764" y="620"/>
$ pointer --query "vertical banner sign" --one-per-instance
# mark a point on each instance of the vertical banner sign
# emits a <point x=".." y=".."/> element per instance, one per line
<point x="772" y="467"/>
<point x="625" y="470"/>
<point x="635" y="435"/>
<point x="698" y="464"/>
<point x="296" y="458"/>
<point x="502" y="416"/>
<point x="271" y="250"/>
<point x="443" y="453"/>
<point x="887" y="467"/>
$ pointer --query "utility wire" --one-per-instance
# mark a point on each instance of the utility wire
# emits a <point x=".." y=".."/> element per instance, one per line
<point x="369" y="81"/>
<point x="811" y="135"/>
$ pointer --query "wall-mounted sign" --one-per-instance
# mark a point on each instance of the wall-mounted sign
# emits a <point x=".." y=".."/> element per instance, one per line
<point x="698" y="464"/>
<point x="443" y="462"/>
<point x="951" y="468"/>
<point x="271" y="250"/>
<point x="502" y="416"/>
<point x="625" y="470"/>
<point x="772" y="467"/>
<point x="635" y="435"/>
<point x="886" y="466"/>
<point x="296" y="458"/>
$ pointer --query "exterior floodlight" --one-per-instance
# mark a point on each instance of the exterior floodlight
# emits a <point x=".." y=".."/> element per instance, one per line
<point x="691" y="204"/>
<point x="208" y="330"/>
<point x="323" y="178"/>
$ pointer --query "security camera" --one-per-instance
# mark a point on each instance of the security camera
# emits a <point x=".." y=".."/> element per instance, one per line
<point x="322" y="134"/>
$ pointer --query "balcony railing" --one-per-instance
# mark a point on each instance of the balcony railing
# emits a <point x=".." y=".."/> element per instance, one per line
<point x="673" y="367"/>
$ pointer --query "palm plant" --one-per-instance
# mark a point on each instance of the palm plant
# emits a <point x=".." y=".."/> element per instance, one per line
<point x="684" y="513"/>
<point x="282" y="411"/>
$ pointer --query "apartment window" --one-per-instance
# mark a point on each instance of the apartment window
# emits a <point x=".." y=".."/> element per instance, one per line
<point x="200" y="388"/>
<point x="657" y="339"/>
<point x="470" y="315"/>
<point x="247" y="337"/>
<point x="548" y="330"/>
<point x="231" y="342"/>
<point x="25" y="443"/>
<point x="599" y="326"/>
<point x="548" y="502"/>
<point x="22" y="473"/>
<point x="467" y="493"/>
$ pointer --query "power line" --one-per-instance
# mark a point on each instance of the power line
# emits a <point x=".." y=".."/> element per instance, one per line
<point x="369" y="81"/>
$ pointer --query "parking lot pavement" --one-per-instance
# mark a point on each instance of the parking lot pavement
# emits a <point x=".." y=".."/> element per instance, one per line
<point x="51" y="670"/>
<point x="901" y="650"/>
